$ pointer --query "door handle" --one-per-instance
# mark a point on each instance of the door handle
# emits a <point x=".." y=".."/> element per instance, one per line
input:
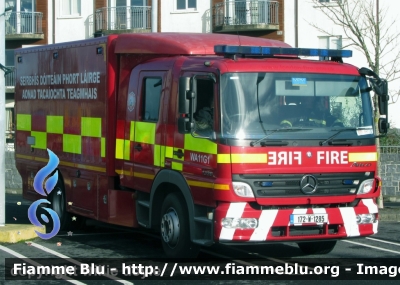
<point x="178" y="153"/>
<point x="138" y="147"/>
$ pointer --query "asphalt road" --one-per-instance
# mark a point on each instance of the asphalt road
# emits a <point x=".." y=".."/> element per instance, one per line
<point x="98" y="240"/>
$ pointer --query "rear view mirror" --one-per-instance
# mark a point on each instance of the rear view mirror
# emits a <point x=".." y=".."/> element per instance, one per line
<point x="184" y="89"/>
<point x="184" y="125"/>
<point x="383" y="125"/>
<point x="383" y="97"/>
<point x="187" y="103"/>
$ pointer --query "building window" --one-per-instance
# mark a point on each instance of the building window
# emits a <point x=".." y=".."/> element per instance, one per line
<point x="71" y="7"/>
<point x="9" y="53"/>
<point x="186" y="4"/>
<point x="330" y="42"/>
<point x="138" y="3"/>
<point x="21" y="5"/>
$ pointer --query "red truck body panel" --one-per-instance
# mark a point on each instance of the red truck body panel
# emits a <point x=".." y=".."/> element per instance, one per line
<point x="184" y="43"/>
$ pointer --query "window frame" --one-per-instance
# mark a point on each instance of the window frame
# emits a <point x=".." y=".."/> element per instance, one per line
<point x="329" y="41"/>
<point x="72" y="15"/>
<point x="186" y="9"/>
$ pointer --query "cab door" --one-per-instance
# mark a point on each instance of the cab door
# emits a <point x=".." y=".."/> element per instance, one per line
<point x="144" y="129"/>
<point x="195" y="155"/>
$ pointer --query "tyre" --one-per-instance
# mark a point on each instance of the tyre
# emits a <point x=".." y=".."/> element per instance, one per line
<point x="175" y="229"/>
<point x="59" y="205"/>
<point x="319" y="247"/>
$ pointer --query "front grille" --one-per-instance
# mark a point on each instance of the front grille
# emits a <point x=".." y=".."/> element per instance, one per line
<point x="288" y="185"/>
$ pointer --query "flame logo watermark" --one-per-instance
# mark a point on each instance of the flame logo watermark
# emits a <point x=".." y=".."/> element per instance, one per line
<point x="49" y="185"/>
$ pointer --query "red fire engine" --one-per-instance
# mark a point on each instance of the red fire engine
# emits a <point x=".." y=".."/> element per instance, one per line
<point x="206" y="138"/>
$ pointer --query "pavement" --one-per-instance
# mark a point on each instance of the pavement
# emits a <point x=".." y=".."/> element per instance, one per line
<point x="13" y="232"/>
<point x="17" y="226"/>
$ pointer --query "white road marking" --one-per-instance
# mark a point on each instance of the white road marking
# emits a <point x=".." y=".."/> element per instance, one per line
<point x="371" y="246"/>
<point x="228" y="257"/>
<point x="383" y="241"/>
<point x="248" y="263"/>
<point x="16" y="254"/>
<point x="94" y="234"/>
<point x="41" y="247"/>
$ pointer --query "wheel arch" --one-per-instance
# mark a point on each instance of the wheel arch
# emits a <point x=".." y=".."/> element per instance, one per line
<point x="60" y="180"/>
<point x="166" y="182"/>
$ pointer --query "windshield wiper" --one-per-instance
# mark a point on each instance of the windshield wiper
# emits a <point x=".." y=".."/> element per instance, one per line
<point x="253" y="143"/>
<point x="273" y="143"/>
<point x="343" y="142"/>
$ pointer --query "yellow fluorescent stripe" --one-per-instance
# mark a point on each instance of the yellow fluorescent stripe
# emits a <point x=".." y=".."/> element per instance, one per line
<point x="40" y="140"/>
<point x="223" y="158"/>
<point x="119" y="149"/>
<point x="208" y="185"/>
<point x="83" y="166"/>
<point x="91" y="127"/>
<point x="55" y="124"/>
<point x="169" y="151"/>
<point x="132" y="132"/>
<point x="127" y="150"/>
<point x="242" y="158"/>
<point x="221" y="187"/>
<point x="200" y="145"/>
<point x="72" y="144"/>
<point x="200" y="184"/>
<point x="162" y="155"/>
<point x="65" y="163"/>
<point x="362" y="156"/>
<point x="124" y="172"/>
<point x="103" y="147"/>
<point x="135" y="174"/>
<point x="145" y="132"/>
<point x="177" y="166"/>
<point x="143" y="175"/>
<point x="24" y="122"/>
<point x="157" y="155"/>
<point x="28" y="157"/>
<point x="249" y="158"/>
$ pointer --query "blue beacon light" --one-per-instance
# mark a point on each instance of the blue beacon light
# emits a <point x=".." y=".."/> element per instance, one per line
<point x="270" y="51"/>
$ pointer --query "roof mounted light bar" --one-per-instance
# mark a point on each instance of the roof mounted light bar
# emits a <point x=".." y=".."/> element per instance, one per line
<point x="271" y="51"/>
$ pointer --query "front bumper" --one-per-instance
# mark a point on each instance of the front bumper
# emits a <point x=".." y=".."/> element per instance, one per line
<point x="274" y="225"/>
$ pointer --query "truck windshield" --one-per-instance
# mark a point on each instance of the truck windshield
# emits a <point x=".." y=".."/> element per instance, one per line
<point x="252" y="104"/>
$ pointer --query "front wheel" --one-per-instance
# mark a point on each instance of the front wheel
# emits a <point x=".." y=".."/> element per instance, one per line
<point x="318" y="247"/>
<point x="175" y="229"/>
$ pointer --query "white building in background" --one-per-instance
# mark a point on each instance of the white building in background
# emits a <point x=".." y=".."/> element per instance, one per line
<point x="70" y="20"/>
<point x="185" y="16"/>
<point x="309" y="37"/>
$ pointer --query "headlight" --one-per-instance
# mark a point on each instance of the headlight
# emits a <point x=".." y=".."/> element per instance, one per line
<point x="365" y="218"/>
<point x="243" y="189"/>
<point x="239" y="223"/>
<point x="366" y="186"/>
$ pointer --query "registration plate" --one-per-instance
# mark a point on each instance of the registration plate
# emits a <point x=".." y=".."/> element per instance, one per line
<point x="299" y="219"/>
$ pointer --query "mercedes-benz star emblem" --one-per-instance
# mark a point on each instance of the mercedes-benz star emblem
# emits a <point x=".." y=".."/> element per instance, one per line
<point x="308" y="184"/>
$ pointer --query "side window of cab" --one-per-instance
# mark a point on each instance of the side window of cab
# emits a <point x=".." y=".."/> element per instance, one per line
<point x="151" y="102"/>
